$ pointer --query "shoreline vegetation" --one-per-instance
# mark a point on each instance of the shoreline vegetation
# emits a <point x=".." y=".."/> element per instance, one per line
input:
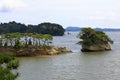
<point x="8" y="67"/>
<point x="29" y="44"/>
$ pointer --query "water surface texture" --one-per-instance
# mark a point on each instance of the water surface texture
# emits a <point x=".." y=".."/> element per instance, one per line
<point x="74" y="66"/>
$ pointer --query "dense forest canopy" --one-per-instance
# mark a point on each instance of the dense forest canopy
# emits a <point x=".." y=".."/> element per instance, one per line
<point x="43" y="28"/>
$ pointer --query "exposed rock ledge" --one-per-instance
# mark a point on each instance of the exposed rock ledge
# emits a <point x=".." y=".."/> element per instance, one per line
<point x="52" y="50"/>
<point x="31" y="51"/>
<point x="96" y="47"/>
<point x="57" y="50"/>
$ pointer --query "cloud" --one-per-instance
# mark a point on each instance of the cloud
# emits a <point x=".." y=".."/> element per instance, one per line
<point x="8" y="5"/>
<point x="4" y="9"/>
<point x="111" y="13"/>
<point x="66" y="12"/>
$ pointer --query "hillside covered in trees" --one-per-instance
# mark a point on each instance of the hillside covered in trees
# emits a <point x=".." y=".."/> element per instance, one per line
<point x="43" y="28"/>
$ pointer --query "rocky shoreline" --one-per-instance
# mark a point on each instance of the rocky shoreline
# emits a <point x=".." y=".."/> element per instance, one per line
<point x="96" y="47"/>
<point x="51" y="50"/>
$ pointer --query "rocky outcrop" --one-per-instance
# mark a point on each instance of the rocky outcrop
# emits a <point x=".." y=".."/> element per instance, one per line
<point x="52" y="50"/>
<point x="57" y="50"/>
<point x="93" y="40"/>
<point x="96" y="47"/>
<point x="32" y="51"/>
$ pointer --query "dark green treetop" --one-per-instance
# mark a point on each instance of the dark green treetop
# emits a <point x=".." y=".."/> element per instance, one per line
<point x="43" y="28"/>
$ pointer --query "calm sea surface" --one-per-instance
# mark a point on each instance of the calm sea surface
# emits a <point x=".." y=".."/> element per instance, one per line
<point x="74" y="66"/>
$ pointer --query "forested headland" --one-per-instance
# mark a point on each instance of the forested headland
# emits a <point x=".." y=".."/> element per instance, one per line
<point x="43" y="28"/>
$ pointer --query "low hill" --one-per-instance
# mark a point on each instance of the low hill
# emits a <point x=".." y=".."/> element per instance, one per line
<point x="98" y="29"/>
<point x="107" y="29"/>
<point x="73" y="28"/>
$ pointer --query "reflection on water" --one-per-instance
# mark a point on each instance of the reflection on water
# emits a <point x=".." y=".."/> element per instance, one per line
<point x="73" y="66"/>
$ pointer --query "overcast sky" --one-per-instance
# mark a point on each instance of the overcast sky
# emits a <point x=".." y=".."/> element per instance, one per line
<point x="82" y="13"/>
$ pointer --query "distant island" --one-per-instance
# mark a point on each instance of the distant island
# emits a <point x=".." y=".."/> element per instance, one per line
<point x="42" y="28"/>
<point x="71" y="28"/>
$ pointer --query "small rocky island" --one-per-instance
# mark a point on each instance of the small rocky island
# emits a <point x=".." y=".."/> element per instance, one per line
<point x="93" y="40"/>
<point x="29" y="44"/>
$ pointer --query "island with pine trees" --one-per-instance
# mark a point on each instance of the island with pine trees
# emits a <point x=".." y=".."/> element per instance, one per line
<point x="94" y="40"/>
<point x="29" y="44"/>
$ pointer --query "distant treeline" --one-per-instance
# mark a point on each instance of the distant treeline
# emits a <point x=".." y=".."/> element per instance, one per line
<point x="43" y="28"/>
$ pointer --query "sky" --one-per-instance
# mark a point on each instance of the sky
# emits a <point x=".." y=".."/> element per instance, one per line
<point x="78" y="13"/>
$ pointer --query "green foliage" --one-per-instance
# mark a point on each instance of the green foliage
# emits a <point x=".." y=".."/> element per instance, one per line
<point x="20" y="40"/>
<point x="5" y="45"/>
<point x="13" y="64"/>
<point x="17" y="44"/>
<point x="89" y="36"/>
<point x="5" y="58"/>
<point x="7" y="64"/>
<point x="47" y="39"/>
<point x="87" y="42"/>
<point x="43" y="28"/>
<point x="29" y="42"/>
<point x="12" y="27"/>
